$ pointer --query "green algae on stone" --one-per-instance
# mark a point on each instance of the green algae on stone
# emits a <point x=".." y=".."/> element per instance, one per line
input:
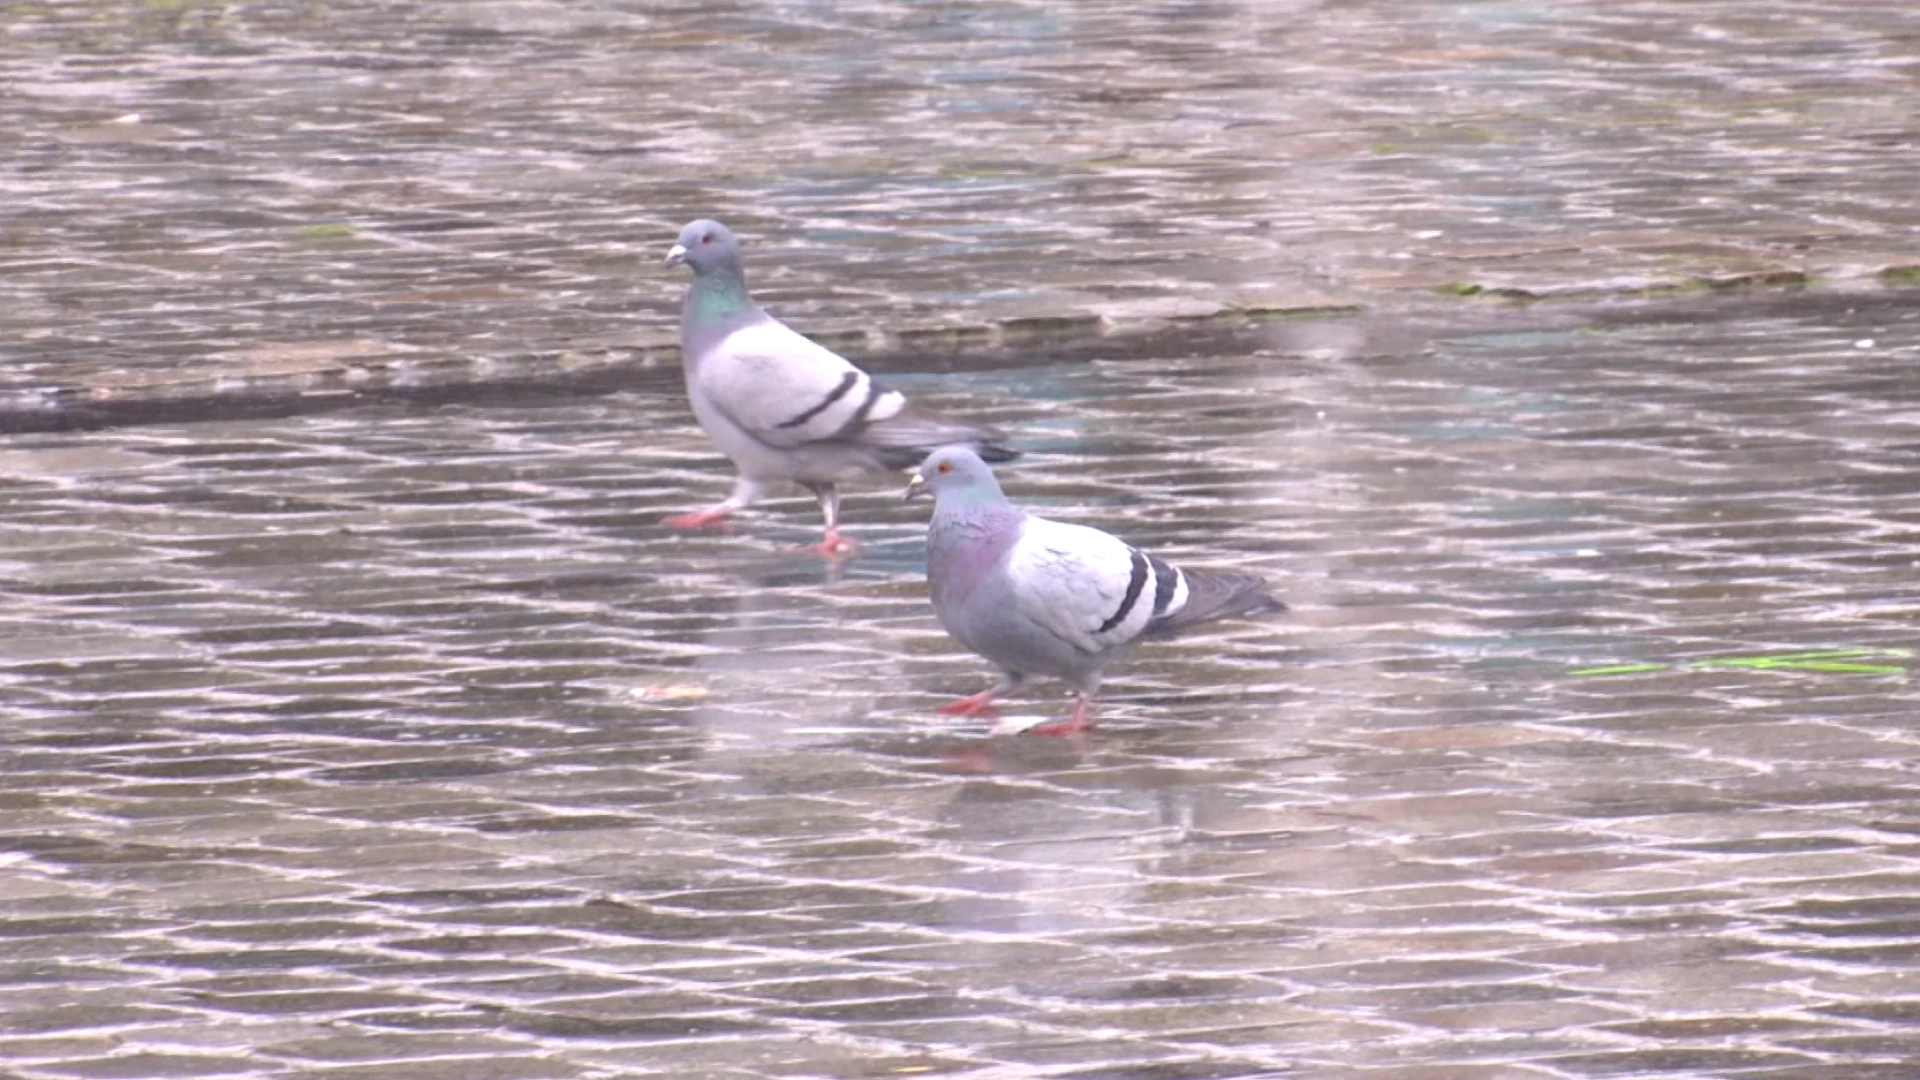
<point x="324" y="231"/>
<point x="1847" y="661"/>
<point x="1469" y="290"/>
<point x="1759" y="279"/>
<point x="1032" y="326"/>
<point x="1673" y="289"/>
<point x="850" y="340"/>
<point x="1304" y="310"/>
<point x="964" y="334"/>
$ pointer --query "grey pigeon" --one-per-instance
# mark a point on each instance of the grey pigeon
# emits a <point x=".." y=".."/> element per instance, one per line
<point x="785" y="408"/>
<point x="1041" y="597"/>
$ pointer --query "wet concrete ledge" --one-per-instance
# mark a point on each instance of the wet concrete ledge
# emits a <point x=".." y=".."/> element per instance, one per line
<point x="318" y="376"/>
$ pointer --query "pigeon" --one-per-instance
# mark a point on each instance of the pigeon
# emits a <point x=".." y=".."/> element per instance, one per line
<point x="784" y="407"/>
<point x="1040" y="597"/>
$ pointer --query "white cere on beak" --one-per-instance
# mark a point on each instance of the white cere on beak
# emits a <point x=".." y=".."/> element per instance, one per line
<point x="916" y="487"/>
<point x="677" y="255"/>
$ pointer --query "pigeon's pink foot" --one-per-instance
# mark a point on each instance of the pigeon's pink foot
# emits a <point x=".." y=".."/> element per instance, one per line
<point x="973" y="705"/>
<point x="1078" y="723"/>
<point x="834" y="546"/>
<point x="700" y="519"/>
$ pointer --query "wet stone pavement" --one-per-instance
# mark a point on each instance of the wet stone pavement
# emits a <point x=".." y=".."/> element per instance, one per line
<point x="204" y="199"/>
<point x="401" y="741"/>
<point x="1554" y="360"/>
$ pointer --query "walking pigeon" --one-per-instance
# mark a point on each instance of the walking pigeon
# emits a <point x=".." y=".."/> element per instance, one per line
<point x="1041" y="597"/>
<point x="785" y="408"/>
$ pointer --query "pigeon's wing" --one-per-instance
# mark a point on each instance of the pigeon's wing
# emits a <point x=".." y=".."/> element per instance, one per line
<point x="787" y="391"/>
<point x="1088" y="587"/>
<point x="905" y="438"/>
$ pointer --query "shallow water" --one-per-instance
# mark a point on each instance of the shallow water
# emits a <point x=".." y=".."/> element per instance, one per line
<point x="401" y="741"/>
<point x="396" y="739"/>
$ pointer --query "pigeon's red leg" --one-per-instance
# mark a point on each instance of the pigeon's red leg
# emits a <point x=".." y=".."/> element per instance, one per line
<point x="982" y="701"/>
<point x="701" y="518"/>
<point x="833" y="545"/>
<point x="745" y="493"/>
<point x="1079" y="722"/>
<point x="974" y="704"/>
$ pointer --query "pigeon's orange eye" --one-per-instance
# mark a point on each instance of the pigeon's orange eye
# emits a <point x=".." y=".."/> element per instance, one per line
<point x="944" y="467"/>
<point x="707" y="239"/>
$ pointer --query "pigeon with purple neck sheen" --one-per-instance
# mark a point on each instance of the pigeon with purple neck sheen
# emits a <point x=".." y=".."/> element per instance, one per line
<point x="784" y="407"/>
<point x="1040" y="597"/>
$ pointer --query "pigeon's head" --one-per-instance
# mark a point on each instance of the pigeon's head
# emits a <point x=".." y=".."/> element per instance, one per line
<point x="705" y="245"/>
<point x="954" y="474"/>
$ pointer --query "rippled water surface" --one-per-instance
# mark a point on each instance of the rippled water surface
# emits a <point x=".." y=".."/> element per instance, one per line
<point x="403" y="742"/>
<point x="362" y="735"/>
<point x="366" y="192"/>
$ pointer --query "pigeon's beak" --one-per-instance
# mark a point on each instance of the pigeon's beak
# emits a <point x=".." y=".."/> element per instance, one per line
<point x="916" y="487"/>
<point x="677" y="255"/>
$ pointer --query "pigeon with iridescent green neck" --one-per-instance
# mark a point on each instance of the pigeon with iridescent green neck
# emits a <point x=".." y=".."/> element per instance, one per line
<point x="1039" y="597"/>
<point x="785" y="408"/>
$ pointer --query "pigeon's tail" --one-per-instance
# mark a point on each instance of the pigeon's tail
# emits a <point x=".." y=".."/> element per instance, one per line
<point x="903" y="440"/>
<point x="1216" y="596"/>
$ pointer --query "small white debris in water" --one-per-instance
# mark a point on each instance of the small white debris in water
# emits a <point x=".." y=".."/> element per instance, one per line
<point x="668" y="692"/>
<point x="1587" y="553"/>
<point x="1864" y="343"/>
<point x="1014" y="725"/>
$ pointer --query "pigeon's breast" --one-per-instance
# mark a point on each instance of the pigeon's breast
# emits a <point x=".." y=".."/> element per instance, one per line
<point x="972" y="594"/>
<point x="965" y="552"/>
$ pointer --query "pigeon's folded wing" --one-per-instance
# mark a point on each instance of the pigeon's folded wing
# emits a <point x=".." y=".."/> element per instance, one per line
<point x="788" y="391"/>
<point x="1088" y="587"/>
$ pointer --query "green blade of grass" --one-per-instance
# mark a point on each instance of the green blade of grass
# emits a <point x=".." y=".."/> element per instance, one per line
<point x="1619" y="669"/>
<point x="1851" y="668"/>
<point x="1859" y="660"/>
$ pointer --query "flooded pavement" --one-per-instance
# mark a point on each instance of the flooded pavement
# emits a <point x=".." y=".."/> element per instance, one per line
<point x="206" y="200"/>
<point x="402" y="742"/>
<point x="1554" y="361"/>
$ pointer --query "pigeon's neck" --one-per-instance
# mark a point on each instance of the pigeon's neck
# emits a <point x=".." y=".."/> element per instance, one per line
<point x="965" y="542"/>
<point x="718" y="298"/>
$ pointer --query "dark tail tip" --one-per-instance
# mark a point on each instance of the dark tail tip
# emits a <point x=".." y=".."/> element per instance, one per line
<point x="910" y="457"/>
<point x="1218" y="596"/>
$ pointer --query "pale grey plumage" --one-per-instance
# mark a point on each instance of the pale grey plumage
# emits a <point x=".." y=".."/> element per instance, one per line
<point x="783" y="407"/>
<point x="1040" y="597"/>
